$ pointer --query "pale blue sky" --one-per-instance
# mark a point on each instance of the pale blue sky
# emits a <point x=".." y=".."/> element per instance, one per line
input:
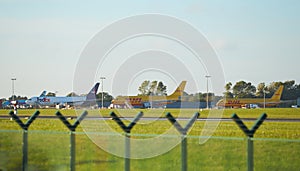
<point x="41" y="41"/>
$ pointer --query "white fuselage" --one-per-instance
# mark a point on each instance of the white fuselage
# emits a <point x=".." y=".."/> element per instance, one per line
<point x="49" y="100"/>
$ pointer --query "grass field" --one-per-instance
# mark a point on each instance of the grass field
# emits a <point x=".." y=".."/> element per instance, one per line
<point x="243" y="113"/>
<point x="277" y="144"/>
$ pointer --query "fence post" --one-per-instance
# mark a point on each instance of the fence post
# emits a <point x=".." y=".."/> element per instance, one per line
<point x="183" y="132"/>
<point x="249" y="133"/>
<point x="127" y="152"/>
<point x="25" y="135"/>
<point x="127" y="130"/>
<point x="250" y="152"/>
<point x="72" y="129"/>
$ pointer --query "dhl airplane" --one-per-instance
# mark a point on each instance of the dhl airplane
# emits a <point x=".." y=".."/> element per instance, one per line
<point x="242" y="102"/>
<point x="144" y="101"/>
<point x="44" y="100"/>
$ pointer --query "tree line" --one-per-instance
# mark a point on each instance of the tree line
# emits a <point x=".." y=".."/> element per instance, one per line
<point x="240" y="89"/>
<point x="153" y="88"/>
<point x="157" y="88"/>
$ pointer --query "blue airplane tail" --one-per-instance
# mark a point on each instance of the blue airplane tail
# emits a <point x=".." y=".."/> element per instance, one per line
<point x="92" y="94"/>
<point x="5" y="103"/>
<point x="43" y="94"/>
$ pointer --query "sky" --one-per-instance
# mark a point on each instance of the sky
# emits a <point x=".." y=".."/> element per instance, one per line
<point x="41" y="43"/>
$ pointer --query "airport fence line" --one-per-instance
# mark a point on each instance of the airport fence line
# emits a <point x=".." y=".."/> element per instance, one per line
<point x="219" y="153"/>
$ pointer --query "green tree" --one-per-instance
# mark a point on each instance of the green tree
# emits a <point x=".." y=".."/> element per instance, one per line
<point x="72" y="94"/>
<point x="17" y="98"/>
<point x="210" y="97"/>
<point x="144" y="88"/>
<point x="197" y="97"/>
<point x="152" y="88"/>
<point x="51" y="94"/>
<point x="271" y="88"/>
<point x="161" y="89"/>
<point x="261" y="87"/>
<point x="185" y="96"/>
<point x="228" y="86"/>
<point x="290" y="91"/>
<point x="244" y="90"/>
<point x="106" y="97"/>
<point x="228" y="93"/>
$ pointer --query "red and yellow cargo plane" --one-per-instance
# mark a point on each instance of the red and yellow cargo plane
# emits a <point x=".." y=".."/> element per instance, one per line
<point x="143" y="101"/>
<point x="242" y="102"/>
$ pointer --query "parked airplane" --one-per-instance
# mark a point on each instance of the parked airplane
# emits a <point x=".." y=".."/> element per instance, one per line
<point x="243" y="102"/>
<point x="10" y="103"/>
<point x="21" y="103"/>
<point x="44" y="100"/>
<point x="144" y="101"/>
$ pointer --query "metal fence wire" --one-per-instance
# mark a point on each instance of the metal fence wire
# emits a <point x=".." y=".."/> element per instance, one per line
<point x="73" y="150"/>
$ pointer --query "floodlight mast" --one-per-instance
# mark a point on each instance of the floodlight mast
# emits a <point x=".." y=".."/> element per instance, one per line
<point x="102" y="78"/>
<point x="207" y="77"/>
<point x="264" y="98"/>
<point x="13" y="88"/>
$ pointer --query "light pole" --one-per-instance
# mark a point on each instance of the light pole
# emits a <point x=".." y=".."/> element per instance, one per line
<point x="264" y="98"/>
<point x="102" y="78"/>
<point x="13" y="88"/>
<point x="207" y="77"/>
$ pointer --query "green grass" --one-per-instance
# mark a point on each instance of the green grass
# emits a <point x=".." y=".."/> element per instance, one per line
<point x="277" y="144"/>
<point x="293" y="113"/>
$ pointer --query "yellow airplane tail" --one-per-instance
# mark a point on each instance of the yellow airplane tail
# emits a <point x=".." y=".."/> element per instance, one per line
<point x="179" y="90"/>
<point x="278" y="93"/>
